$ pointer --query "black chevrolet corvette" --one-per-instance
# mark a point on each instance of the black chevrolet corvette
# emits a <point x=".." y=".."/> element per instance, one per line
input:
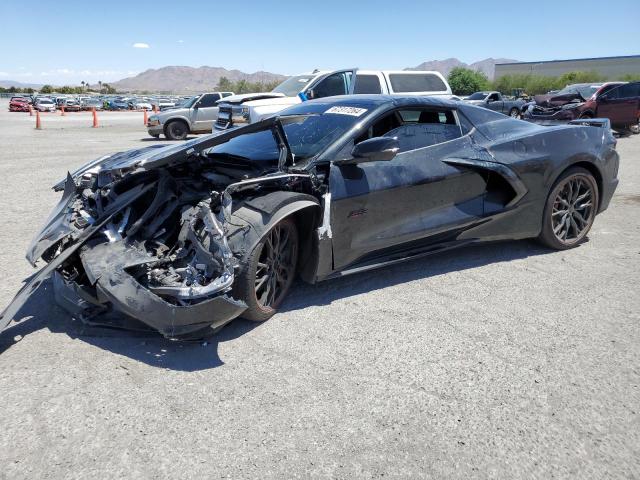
<point x="184" y="238"/>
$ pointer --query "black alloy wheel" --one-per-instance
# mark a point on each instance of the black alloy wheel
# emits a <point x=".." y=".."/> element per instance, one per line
<point x="269" y="271"/>
<point x="570" y="210"/>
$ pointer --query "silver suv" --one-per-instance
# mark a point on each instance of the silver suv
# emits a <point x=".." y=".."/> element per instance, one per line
<point x="195" y="115"/>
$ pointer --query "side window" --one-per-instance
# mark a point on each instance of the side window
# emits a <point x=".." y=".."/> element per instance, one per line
<point x="630" y="90"/>
<point x="226" y="94"/>
<point x="209" y="100"/>
<point x="367" y="84"/>
<point x="612" y="94"/>
<point x="416" y="128"/>
<point x="416" y="82"/>
<point x="336" y="84"/>
<point x="494" y="97"/>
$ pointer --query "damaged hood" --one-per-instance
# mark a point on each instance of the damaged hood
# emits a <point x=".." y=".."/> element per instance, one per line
<point x="558" y="100"/>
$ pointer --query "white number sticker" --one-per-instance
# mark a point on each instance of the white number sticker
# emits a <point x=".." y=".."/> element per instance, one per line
<point x="353" y="111"/>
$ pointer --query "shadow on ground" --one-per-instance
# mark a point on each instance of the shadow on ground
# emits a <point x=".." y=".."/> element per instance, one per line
<point x="40" y="311"/>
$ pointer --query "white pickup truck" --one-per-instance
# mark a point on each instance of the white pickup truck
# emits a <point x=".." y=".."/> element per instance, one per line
<point x="240" y="110"/>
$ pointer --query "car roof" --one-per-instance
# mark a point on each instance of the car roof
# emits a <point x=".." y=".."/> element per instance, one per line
<point x="378" y="100"/>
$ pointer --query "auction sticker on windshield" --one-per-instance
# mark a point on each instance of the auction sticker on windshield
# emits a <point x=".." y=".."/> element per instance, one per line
<point x="353" y="111"/>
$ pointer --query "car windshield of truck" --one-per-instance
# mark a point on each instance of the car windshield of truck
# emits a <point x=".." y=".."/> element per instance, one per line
<point x="477" y="96"/>
<point x="293" y="85"/>
<point x="308" y="135"/>
<point x="188" y="103"/>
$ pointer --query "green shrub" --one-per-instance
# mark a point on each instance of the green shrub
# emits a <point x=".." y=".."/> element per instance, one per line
<point x="465" y="81"/>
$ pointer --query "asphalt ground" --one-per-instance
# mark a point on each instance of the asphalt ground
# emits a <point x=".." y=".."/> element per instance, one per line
<point x="500" y="361"/>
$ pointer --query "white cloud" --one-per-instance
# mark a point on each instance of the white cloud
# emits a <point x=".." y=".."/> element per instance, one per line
<point x="180" y="41"/>
<point x="4" y="74"/>
<point x="140" y="45"/>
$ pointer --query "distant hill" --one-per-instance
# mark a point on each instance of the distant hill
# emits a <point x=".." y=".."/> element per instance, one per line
<point x="176" y="79"/>
<point x="487" y="66"/>
<point x="12" y="83"/>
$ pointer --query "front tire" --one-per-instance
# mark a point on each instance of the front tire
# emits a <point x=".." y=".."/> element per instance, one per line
<point x="570" y="209"/>
<point x="176" y="130"/>
<point x="267" y="273"/>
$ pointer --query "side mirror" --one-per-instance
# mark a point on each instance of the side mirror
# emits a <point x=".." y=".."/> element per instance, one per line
<point x="378" y="149"/>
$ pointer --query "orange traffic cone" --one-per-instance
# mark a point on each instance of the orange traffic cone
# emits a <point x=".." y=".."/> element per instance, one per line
<point x="38" y="124"/>
<point x="62" y="111"/>
<point x="30" y="111"/>
<point x="95" y="117"/>
<point x="146" y="118"/>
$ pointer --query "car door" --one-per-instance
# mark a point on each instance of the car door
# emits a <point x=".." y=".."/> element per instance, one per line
<point x="494" y="102"/>
<point x="340" y="82"/>
<point x="620" y="105"/>
<point x="416" y="198"/>
<point x="205" y="112"/>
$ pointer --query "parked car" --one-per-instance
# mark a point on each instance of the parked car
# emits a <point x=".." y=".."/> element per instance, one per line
<point x="617" y="101"/>
<point x="91" y="103"/>
<point x="252" y="107"/>
<point x="19" y="104"/>
<point x="119" y="104"/>
<point x="69" y="104"/>
<point x="195" y="116"/>
<point x="163" y="103"/>
<point x="496" y="102"/>
<point x="139" y="104"/>
<point x="187" y="237"/>
<point x="44" y="104"/>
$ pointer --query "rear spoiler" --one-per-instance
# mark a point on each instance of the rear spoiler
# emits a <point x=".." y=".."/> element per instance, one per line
<point x="593" y="122"/>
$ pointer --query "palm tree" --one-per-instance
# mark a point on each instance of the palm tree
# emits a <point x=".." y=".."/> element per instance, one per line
<point x="82" y="83"/>
<point x="100" y="84"/>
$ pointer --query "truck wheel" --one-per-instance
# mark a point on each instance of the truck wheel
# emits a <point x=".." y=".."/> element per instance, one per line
<point x="514" y="113"/>
<point x="585" y="116"/>
<point x="176" y="130"/>
<point x="635" y="128"/>
<point x="267" y="272"/>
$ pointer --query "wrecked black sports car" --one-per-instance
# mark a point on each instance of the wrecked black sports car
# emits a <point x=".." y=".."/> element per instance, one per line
<point x="185" y="238"/>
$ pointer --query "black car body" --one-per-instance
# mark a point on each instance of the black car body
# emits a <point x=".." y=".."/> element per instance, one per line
<point x="175" y="237"/>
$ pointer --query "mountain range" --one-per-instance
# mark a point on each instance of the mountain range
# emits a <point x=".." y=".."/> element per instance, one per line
<point x="486" y="66"/>
<point x="188" y="79"/>
<point x="181" y="79"/>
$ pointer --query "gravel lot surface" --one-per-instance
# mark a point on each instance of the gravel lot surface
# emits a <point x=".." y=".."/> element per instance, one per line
<point x="501" y="361"/>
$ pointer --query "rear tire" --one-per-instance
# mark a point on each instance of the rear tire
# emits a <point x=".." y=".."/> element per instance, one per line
<point x="267" y="272"/>
<point x="570" y="209"/>
<point x="176" y="130"/>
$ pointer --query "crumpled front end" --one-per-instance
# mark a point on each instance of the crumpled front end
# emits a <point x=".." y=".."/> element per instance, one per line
<point x="159" y="258"/>
<point x="552" y="114"/>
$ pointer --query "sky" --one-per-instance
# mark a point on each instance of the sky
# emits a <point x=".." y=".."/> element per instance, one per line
<point x="66" y="42"/>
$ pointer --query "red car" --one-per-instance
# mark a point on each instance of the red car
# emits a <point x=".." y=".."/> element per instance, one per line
<point x="18" y="104"/>
<point x="617" y="101"/>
